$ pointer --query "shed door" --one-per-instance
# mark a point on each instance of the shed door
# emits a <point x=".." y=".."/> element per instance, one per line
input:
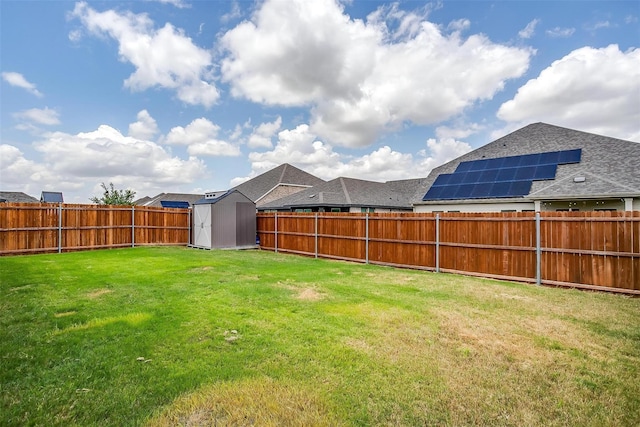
<point x="202" y="225"/>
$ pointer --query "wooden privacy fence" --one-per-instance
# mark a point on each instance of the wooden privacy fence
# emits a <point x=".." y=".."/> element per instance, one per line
<point x="49" y="227"/>
<point x="595" y="250"/>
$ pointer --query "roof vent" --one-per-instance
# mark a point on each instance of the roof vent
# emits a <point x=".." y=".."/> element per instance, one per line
<point x="213" y="194"/>
<point x="311" y="196"/>
<point x="579" y="179"/>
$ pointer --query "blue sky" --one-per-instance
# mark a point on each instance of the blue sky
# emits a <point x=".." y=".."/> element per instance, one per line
<point x="193" y="96"/>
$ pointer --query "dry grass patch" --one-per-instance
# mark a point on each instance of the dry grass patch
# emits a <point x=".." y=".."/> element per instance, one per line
<point x="253" y="402"/>
<point x="98" y="293"/>
<point x="309" y="294"/>
<point x="65" y="313"/>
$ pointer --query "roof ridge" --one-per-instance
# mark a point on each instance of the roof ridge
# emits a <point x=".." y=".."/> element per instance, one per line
<point x="284" y="169"/>
<point x="346" y="192"/>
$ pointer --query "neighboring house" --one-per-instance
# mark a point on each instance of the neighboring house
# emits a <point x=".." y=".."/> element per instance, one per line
<point x="170" y="200"/>
<point x="540" y="167"/>
<point x="51" y="197"/>
<point x="351" y="195"/>
<point x="16" y="197"/>
<point x="276" y="183"/>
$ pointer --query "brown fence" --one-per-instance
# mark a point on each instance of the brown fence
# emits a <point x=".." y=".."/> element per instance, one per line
<point x="595" y="250"/>
<point x="48" y="227"/>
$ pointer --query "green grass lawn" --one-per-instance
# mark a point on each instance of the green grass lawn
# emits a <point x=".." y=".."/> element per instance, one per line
<point x="174" y="336"/>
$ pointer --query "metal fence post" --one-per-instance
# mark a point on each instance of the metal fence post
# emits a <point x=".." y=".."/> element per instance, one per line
<point x="366" y="237"/>
<point x="438" y="243"/>
<point x="276" y="230"/>
<point x="133" y="226"/>
<point x="59" y="227"/>
<point x="538" y="251"/>
<point x="189" y="225"/>
<point x="316" y="233"/>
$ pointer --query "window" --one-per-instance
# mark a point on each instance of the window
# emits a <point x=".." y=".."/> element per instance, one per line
<point x="365" y="210"/>
<point x="335" y="209"/>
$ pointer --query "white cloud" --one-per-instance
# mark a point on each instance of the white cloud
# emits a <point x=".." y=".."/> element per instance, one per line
<point x="528" y="31"/>
<point x="153" y="52"/>
<point x="302" y="148"/>
<point x="234" y="13"/>
<point x="463" y="131"/>
<point x="598" y="25"/>
<point x="42" y="116"/>
<point x="21" y="174"/>
<point x="180" y="4"/>
<point x="459" y="25"/>
<point x="77" y="163"/>
<point x="261" y="136"/>
<point x="441" y="151"/>
<point x="145" y="128"/>
<point x="18" y="80"/>
<point x="561" y="32"/>
<point x="362" y="78"/>
<point x="201" y="138"/>
<point x="105" y="153"/>
<point x="594" y="90"/>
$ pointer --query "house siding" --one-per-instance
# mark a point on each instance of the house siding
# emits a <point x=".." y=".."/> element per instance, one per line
<point x="282" y="190"/>
<point x="475" y="207"/>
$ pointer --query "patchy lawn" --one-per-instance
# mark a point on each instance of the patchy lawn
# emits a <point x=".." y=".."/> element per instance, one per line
<point x="173" y="336"/>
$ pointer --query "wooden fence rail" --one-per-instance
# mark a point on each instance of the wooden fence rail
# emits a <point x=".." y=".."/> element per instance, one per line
<point x="48" y="227"/>
<point x="594" y="250"/>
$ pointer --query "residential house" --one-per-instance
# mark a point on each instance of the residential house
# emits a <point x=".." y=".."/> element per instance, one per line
<point x="276" y="183"/>
<point x="16" y="197"/>
<point x="350" y="195"/>
<point x="539" y="167"/>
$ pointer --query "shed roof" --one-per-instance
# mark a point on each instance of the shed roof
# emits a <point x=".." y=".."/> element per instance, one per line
<point x="609" y="165"/>
<point x="215" y="200"/>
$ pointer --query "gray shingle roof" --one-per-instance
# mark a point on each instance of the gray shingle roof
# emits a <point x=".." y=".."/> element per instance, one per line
<point x="17" y="197"/>
<point x="610" y="166"/>
<point x="257" y="187"/>
<point x="350" y="192"/>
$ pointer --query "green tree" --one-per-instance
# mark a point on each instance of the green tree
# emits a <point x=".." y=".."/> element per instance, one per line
<point x="113" y="196"/>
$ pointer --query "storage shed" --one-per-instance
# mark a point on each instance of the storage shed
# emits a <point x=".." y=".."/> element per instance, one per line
<point x="226" y="221"/>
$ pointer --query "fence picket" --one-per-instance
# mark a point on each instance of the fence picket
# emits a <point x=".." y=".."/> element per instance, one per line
<point x="591" y="250"/>
<point x="36" y="228"/>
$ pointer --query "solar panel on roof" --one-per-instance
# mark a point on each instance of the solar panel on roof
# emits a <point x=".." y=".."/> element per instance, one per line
<point x="495" y="163"/>
<point x="510" y="176"/>
<point x="526" y="172"/>
<point x="481" y="191"/>
<point x="463" y="191"/>
<point x="550" y="158"/>
<point x="570" y="156"/>
<point x="511" y="162"/>
<point x="456" y="178"/>
<point x="173" y="204"/>
<point x="507" y="174"/>
<point x="546" y="172"/>
<point x="520" y="188"/>
<point x="478" y="165"/>
<point x="463" y="167"/>
<point x="442" y="179"/>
